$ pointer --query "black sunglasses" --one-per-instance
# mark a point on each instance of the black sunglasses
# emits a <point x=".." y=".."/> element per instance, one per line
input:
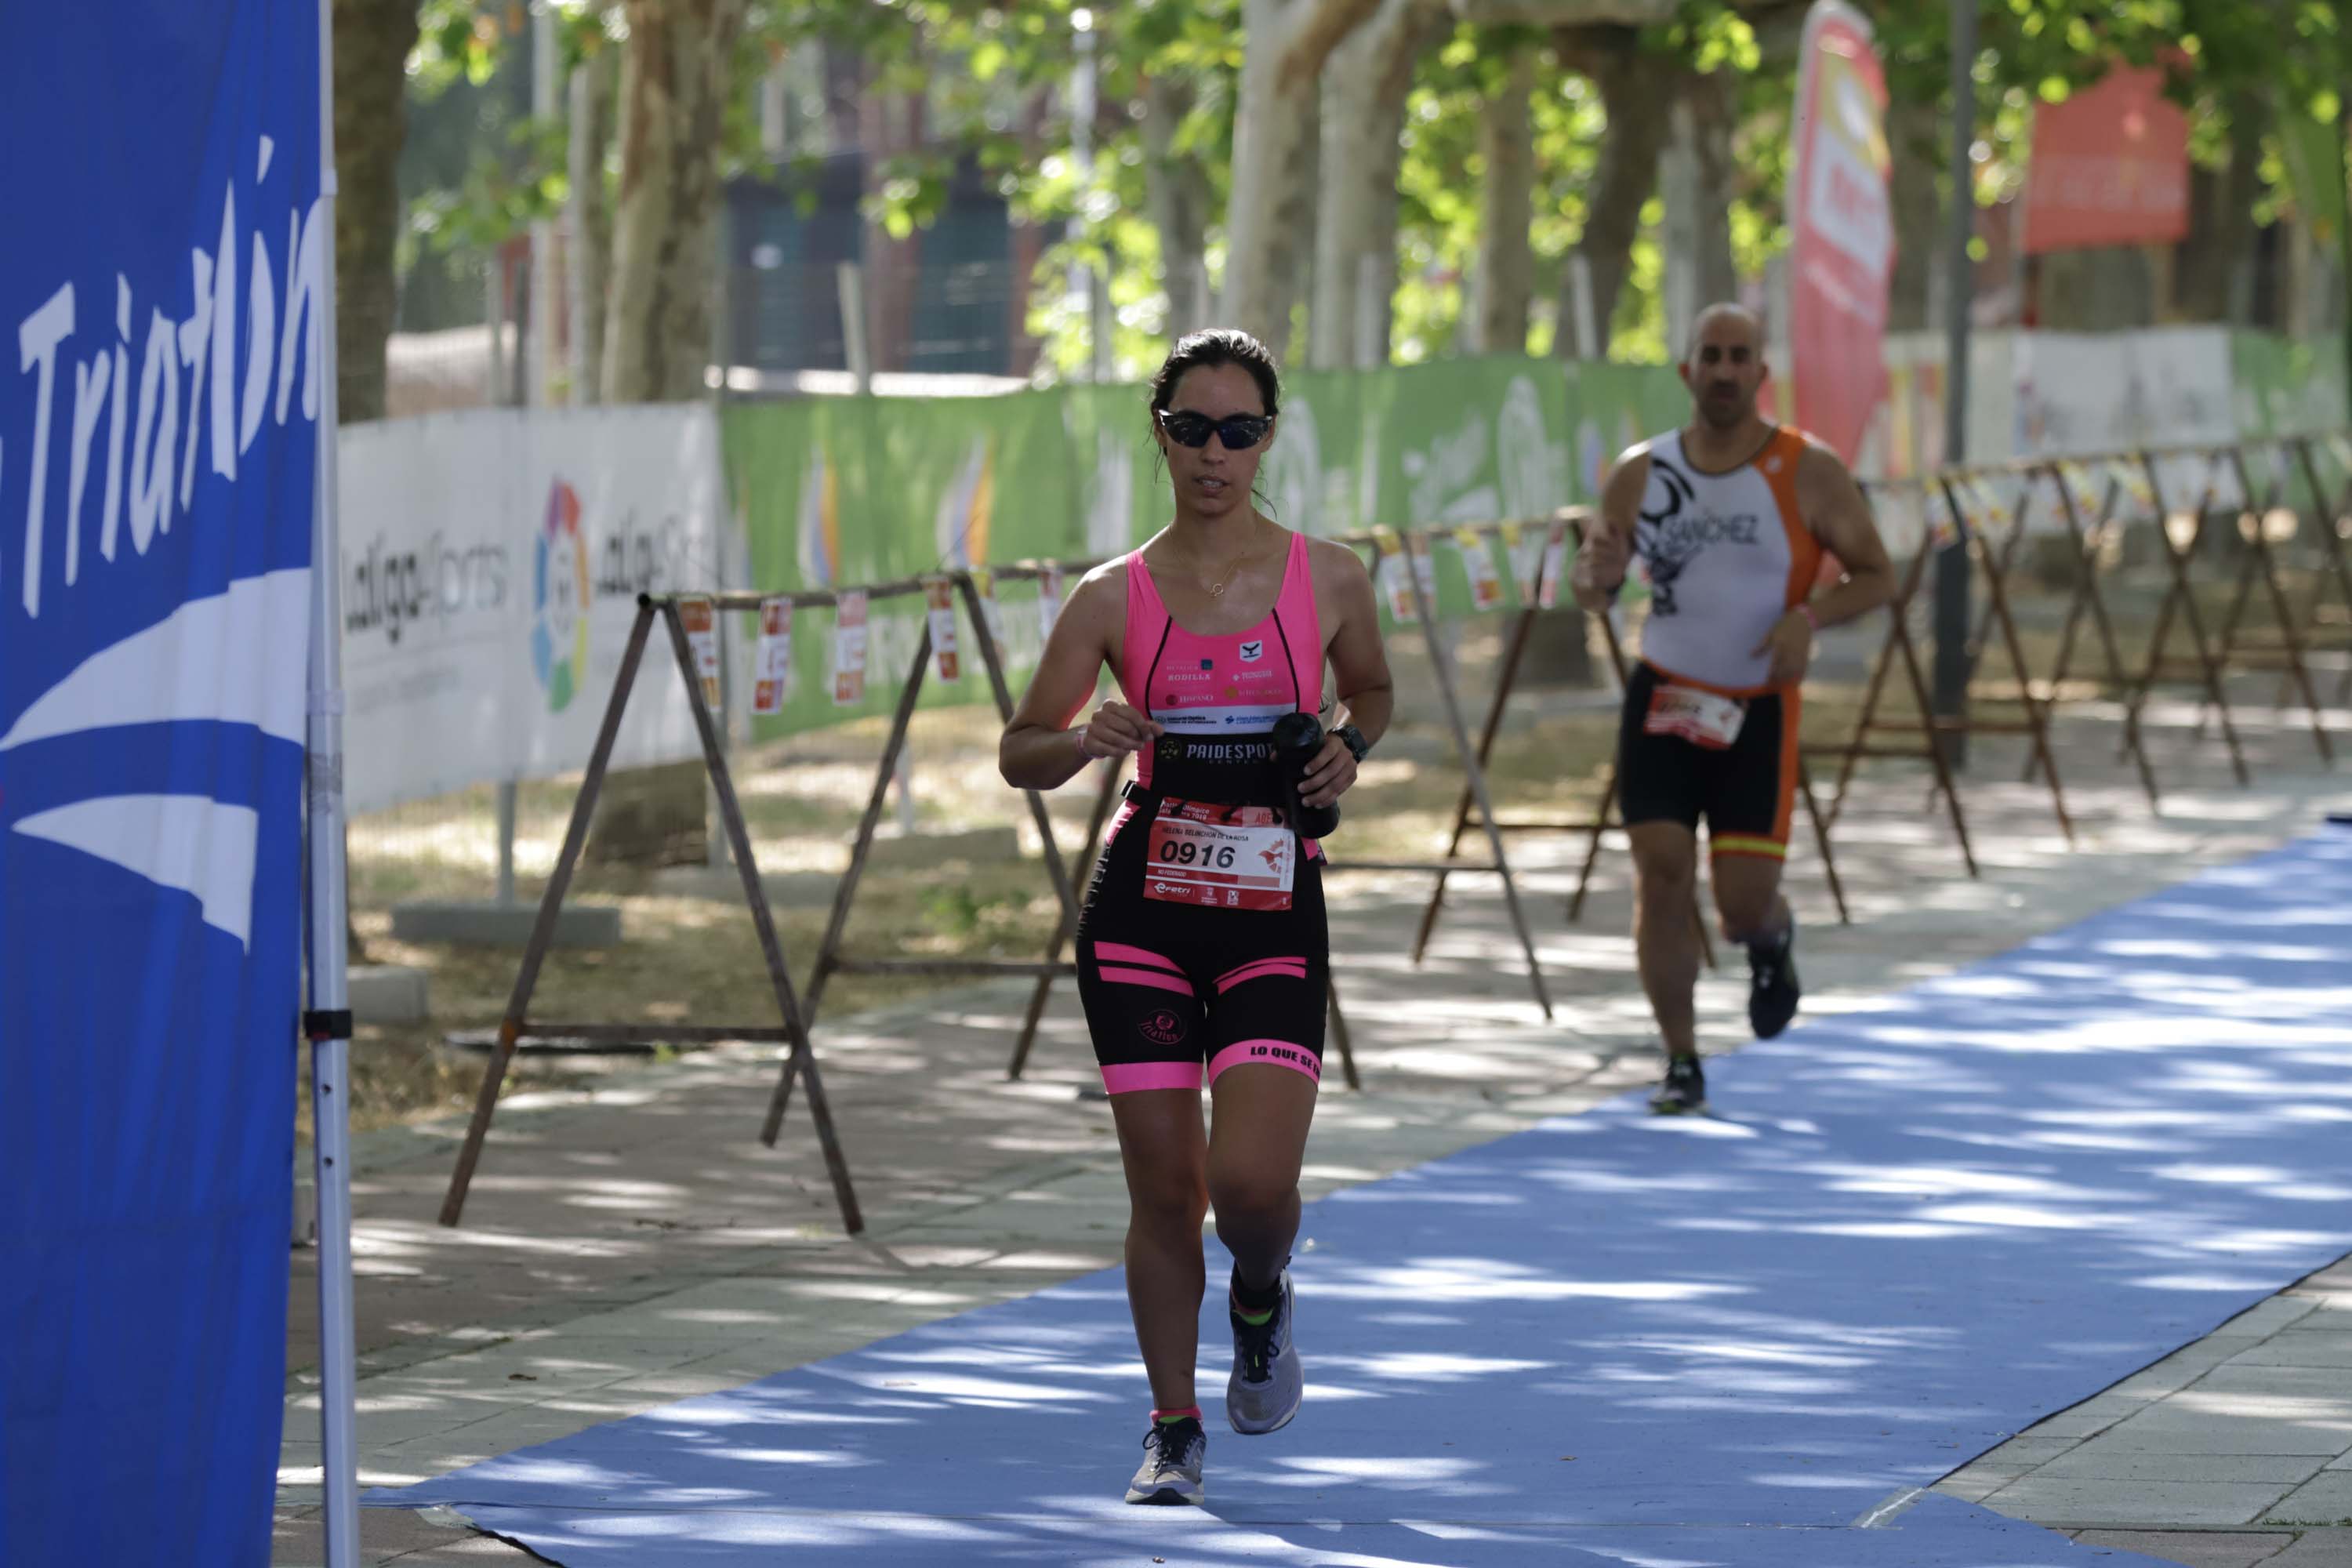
<point x="1239" y="432"/>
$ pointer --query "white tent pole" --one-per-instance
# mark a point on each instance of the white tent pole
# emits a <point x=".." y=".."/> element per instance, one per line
<point x="329" y="985"/>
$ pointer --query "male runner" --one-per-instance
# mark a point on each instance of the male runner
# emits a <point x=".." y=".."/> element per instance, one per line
<point x="1730" y="517"/>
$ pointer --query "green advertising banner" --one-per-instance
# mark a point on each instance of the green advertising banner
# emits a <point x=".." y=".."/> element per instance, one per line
<point x="834" y="493"/>
<point x="2286" y="388"/>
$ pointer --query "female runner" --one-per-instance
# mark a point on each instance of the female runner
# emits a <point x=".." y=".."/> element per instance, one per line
<point x="1202" y="952"/>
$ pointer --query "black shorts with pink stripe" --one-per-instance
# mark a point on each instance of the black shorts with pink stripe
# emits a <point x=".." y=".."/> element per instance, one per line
<point x="1175" y="994"/>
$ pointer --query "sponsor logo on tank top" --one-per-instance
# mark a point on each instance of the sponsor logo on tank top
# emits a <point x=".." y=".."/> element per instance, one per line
<point x="1253" y="651"/>
<point x="1250" y="716"/>
<point x="1676" y="533"/>
<point x="1214" y="752"/>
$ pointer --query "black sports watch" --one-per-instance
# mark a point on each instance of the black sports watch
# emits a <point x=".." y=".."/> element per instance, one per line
<point x="1353" y="739"/>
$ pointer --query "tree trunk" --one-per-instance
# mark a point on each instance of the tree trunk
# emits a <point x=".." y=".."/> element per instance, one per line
<point x="1917" y="135"/>
<point x="674" y="84"/>
<point x="1714" y="116"/>
<point x="373" y="38"/>
<point x="1275" y="121"/>
<point x="1364" y="93"/>
<point x="890" y="125"/>
<point x="592" y="223"/>
<point x="1633" y="94"/>
<point x="1180" y="197"/>
<point x="1504" y="281"/>
<point x="2221" y="219"/>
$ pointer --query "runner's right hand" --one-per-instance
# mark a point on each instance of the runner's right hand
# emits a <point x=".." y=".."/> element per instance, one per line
<point x="1117" y="729"/>
<point x="1600" y="565"/>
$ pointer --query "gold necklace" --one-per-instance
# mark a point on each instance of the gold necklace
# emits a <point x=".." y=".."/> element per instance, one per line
<point x="1217" y="590"/>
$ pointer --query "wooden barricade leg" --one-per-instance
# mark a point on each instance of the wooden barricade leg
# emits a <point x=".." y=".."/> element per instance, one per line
<point x="2288" y="634"/>
<point x="1340" y="1032"/>
<point x="1821" y="840"/>
<point x="1937" y="758"/>
<point x="1441" y="667"/>
<point x="542" y="931"/>
<point x="2182" y="595"/>
<point x="1852" y="754"/>
<point x="1066" y="925"/>
<point x="2087" y="596"/>
<point x="2241" y="593"/>
<point x="994" y="661"/>
<point x="1997" y="610"/>
<point x="1899" y="647"/>
<point x="1600" y="823"/>
<point x="829" y="953"/>
<point x="1520" y="632"/>
<point x="771" y="949"/>
<point x="2327" y="512"/>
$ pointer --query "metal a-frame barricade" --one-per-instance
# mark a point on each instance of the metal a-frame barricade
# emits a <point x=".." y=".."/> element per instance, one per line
<point x="1408" y="546"/>
<point x="518" y="1025"/>
<point x="2075" y="481"/>
<point x="1900" y="647"/>
<point x="2036" y="701"/>
<point x="2331" y="518"/>
<point x="2210" y="658"/>
<point x="2285" y="649"/>
<point x="1571" y="522"/>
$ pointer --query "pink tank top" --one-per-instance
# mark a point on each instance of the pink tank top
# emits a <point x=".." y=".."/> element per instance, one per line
<point x="1218" y="696"/>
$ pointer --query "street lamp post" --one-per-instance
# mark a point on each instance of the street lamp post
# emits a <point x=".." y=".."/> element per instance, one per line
<point x="1951" y="681"/>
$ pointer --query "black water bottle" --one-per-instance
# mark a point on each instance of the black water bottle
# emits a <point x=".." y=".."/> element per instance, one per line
<point x="1294" y="741"/>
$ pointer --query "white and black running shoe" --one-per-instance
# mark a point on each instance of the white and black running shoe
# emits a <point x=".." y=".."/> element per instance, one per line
<point x="1772" y="988"/>
<point x="1683" y="1092"/>
<point x="1170" y="1471"/>
<point x="1267" y="1382"/>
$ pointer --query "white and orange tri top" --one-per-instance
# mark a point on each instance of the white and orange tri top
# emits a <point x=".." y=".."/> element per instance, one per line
<point x="1726" y="555"/>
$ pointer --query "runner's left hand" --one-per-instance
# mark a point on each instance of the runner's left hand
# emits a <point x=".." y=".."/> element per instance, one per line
<point x="1789" y="644"/>
<point x="1328" y="777"/>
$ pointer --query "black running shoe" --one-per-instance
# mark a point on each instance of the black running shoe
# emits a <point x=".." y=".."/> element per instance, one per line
<point x="1170" y="1472"/>
<point x="1772" y="988"/>
<point x="1683" y="1092"/>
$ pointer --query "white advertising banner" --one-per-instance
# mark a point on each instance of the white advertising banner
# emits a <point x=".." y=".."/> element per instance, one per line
<point x="491" y="565"/>
<point x="2128" y="391"/>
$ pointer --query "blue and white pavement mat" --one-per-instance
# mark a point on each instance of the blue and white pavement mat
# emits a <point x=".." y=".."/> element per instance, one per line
<point x="1746" y="1341"/>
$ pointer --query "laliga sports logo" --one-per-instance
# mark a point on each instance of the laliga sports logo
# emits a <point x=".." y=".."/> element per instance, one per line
<point x="559" y="633"/>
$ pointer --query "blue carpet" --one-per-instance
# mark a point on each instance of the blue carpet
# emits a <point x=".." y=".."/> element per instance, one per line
<point x="1912" y="1231"/>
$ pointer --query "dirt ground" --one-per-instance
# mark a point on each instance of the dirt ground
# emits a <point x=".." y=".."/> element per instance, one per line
<point x="975" y="884"/>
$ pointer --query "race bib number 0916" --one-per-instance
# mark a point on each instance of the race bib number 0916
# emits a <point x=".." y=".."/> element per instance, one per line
<point x="1220" y="856"/>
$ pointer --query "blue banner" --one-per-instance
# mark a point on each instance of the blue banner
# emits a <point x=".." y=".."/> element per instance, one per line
<point x="162" y="347"/>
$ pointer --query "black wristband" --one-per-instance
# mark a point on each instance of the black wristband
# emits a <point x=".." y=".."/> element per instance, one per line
<point x="1353" y="739"/>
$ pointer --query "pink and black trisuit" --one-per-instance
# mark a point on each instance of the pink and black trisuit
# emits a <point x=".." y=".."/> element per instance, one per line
<point x="1202" y="944"/>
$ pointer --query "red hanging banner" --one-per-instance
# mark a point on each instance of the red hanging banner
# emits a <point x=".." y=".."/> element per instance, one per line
<point x="2110" y="166"/>
<point x="1841" y="245"/>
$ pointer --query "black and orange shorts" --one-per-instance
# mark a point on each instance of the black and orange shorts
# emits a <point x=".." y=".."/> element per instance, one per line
<point x="1745" y="792"/>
